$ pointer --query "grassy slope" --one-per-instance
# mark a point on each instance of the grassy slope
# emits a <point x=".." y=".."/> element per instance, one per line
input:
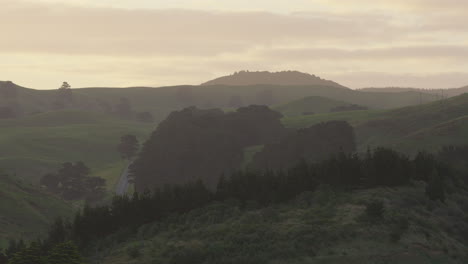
<point x="314" y="104"/>
<point x="428" y="126"/>
<point x="162" y="101"/>
<point x="37" y="144"/>
<point x="25" y="211"/>
<point x="323" y="227"/>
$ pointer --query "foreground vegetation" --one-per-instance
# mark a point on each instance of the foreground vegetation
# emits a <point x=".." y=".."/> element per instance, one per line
<point x="313" y="212"/>
<point x="26" y="210"/>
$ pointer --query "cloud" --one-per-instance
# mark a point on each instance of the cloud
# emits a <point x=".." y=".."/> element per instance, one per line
<point x="121" y="32"/>
<point x="448" y="52"/>
<point x="46" y="40"/>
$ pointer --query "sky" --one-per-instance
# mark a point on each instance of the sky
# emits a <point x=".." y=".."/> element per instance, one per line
<point x="122" y="43"/>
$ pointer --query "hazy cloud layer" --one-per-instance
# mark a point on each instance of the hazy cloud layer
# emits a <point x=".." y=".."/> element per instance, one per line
<point x="47" y="41"/>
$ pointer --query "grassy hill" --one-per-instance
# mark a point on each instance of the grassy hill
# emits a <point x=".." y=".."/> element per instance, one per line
<point x="428" y="126"/>
<point x="36" y="144"/>
<point x="26" y="211"/>
<point x="161" y="101"/>
<point x="311" y="104"/>
<point x="322" y="227"/>
<point x="289" y="78"/>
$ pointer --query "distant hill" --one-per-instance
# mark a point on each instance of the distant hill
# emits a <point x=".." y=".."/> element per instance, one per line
<point x="162" y="101"/>
<point x="428" y="126"/>
<point x="449" y="92"/>
<point x="309" y="105"/>
<point x="243" y="78"/>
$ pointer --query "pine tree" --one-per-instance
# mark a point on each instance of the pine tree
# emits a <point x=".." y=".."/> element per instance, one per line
<point x="29" y="255"/>
<point x="64" y="253"/>
<point x="435" y="188"/>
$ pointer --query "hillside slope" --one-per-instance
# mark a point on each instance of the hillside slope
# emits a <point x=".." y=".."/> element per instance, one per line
<point x="38" y="144"/>
<point x="322" y="227"/>
<point x="428" y="126"/>
<point x="309" y="105"/>
<point x="161" y="101"/>
<point x="25" y="211"/>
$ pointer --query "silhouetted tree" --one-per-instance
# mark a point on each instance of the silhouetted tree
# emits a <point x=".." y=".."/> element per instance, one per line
<point x="57" y="232"/>
<point x="207" y="142"/>
<point x="29" y="255"/>
<point x="73" y="181"/>
<point x="435" y="188"/>
<point x="64" y="253"/>
<point x="65" y="94"/>
<point x="128" y="146"/>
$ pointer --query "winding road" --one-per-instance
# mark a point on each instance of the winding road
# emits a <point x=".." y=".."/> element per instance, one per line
<point x="122" y="185"/>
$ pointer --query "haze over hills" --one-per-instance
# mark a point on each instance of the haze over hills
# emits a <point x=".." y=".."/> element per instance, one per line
<point x="244" y="78"/>
<point x="445" y="92"/>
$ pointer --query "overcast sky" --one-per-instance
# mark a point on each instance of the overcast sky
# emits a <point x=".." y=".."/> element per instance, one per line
<point x="358" y="43"/>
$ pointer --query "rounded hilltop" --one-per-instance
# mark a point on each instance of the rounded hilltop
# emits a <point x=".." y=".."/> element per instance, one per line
<point x="243" y="78"/>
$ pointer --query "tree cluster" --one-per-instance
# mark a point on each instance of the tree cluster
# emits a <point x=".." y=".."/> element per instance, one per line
<point x="128" y="146"/>
<point x="202" y="144"/>
<point x="73" y="181"/>
<point x="315" y="143"/>
<point x="39" y="252"/>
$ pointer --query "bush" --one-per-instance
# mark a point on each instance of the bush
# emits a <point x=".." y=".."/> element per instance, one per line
<point x="375" y="209"/>
<point x="192" y="252"/>
<point x="398" y="229"/>
<point x="134" y="251"/>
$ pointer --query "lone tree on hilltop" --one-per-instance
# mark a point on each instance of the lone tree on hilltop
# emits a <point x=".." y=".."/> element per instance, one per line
<point x="128" y="146"/>
<point x="65" y="95"/>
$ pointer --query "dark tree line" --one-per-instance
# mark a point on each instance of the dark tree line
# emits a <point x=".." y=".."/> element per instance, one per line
<point x="37" y="252"/>
<point x="315" y="143"/>
<point x="202" y="144"/>
<point x="73" y="181"/>
<point x="128" y="146"/>
<point x="381" y="167"/>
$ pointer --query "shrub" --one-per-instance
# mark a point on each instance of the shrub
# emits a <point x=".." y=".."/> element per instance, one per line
<point x="375" y="209"/>
<point x="398" y="229"/>
<point x="134" y="251"/>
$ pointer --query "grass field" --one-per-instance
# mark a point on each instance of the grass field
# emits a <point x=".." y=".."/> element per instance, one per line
<point x="161" y="101"/>
<point x="409" y="129"/>
<point x="38" y="144"/>
<point x="311" y="104"/>
<point x="27" y="211"/>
